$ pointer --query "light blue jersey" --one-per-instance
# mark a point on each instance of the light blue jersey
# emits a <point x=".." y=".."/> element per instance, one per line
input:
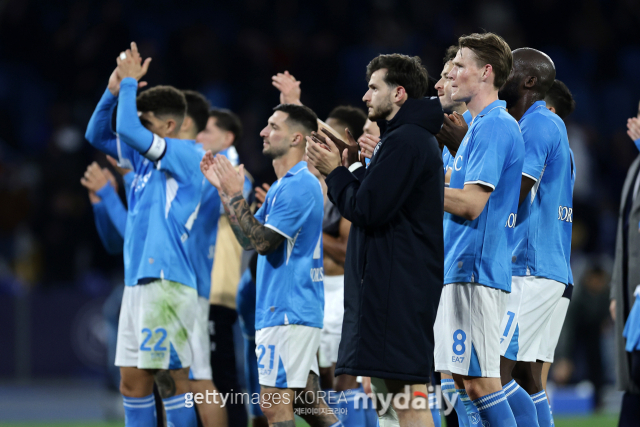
<point x="491" y="154"/>
<point x="164" y="197"/>
<point x="543" y="232"/>
<point x="289" y="285"/>
<point x="202" y="240"/>
<point x="447" y="159"/>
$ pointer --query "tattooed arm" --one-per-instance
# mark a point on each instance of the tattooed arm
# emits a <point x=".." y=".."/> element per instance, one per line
<point x="248" y="230"/>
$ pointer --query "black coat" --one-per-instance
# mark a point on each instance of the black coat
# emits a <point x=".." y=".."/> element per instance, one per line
<point x="395" y="254"/>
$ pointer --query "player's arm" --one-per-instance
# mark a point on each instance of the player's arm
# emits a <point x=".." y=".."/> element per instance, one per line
<point x="109" y="236"/>
<point x="114" y="207"/>
<point x="468" y="202"/>
<point x="93" y="180"/>
<point x="99" y="133"/>
<point x="525" y="188"/>
<point x="336" y="247"/>
<point x="248" y="230"/>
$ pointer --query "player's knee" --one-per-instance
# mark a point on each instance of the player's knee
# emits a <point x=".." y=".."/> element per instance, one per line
<point x="269" y="409"/>
<point x="474" y="389"/>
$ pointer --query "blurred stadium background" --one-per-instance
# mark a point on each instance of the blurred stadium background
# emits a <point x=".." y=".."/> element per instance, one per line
<point x="56" y="57"/>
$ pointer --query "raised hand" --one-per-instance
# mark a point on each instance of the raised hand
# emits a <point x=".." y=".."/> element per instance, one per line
<point x="130" y="63"/>
<point x="93" y="180"/>
<point x="633" y="128"/>
<point x="206" y="166"/>
<point x="261" y="193"/>
<point x="453" y="131"/>
<point x="289" y="88"/>
<point x="368" y="144"/>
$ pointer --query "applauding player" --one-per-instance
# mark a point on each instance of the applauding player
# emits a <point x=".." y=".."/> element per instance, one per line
<point x="287" y="233"/>
<point x="480" y="206"/>
<point x="157" y="316"/>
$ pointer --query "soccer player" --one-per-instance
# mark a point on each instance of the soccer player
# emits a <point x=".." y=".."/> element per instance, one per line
<point x="157" y="316"/>
<point x="480" y="205"/>
<point x="200" y="245"/>
<point x="540" y="259"/>
<point x="559" y="100"/>
<point x="287" y="233"/>
<point x="393" y="268"/>
<point x="223" y="129"/>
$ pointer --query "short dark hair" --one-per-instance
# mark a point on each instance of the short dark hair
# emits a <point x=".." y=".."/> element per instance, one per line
<point x="197" y="108"/>
<point x="353" y="118"/>
<point x="300" y="115"/>
<point x="227" y="120"/>
<point x="451" y="53"/>
<point x="402" y="70"/>
<point x="559" y="97"/>
<point x="162" y="101"/>
<point x="491" y="49"/>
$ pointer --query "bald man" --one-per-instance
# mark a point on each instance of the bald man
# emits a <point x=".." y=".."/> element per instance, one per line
<point x="540" y="259"/>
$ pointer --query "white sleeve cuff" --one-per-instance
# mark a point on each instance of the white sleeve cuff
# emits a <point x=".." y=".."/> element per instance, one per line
<point x="277" y="231"/>
<point x="355" y="166"/>
<point x="486" y="184"/>
<point x="529" y="176"/>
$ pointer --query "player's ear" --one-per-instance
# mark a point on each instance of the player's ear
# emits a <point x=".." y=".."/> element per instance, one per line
<point x="552" y="109"/>
<point x="297" y="139"/>
<point x="399" y="93"/>
<point x="171" y="126"/>
<point x="530" y="81"/>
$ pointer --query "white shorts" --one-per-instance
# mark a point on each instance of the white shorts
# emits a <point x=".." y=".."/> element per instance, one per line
<point x="467" y="330"/>
<point x="333" y="304"/>
<point x="554" y="327"/>
<point x="333" y="316"/>
<point x="201" y="343"/>
<point x="524" y="325"/>
<point x="286" y="354"/>
<point x="329" y="344"/>
<point x="155" y="326"/>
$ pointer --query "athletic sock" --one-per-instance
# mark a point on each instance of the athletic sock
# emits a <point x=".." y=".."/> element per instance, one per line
<point x="544" y="410"/>
<point x="524" y="411"/>
<point x="178" y="413"/>
<point x="435" y="411"/>
<point x="450" y="393"/>
<point x="473" y="417"/>
<point x="495" y="410"/>
<point x="139" y="411"/>
<point x="354" y="409"/>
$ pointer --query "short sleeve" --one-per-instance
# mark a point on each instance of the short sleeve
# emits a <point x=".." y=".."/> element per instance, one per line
<point x="489" y="147"/>
<point x="260" y="214"/>
<point x="538" y="139"/>
<point x="181" y="159"/>
<point x="289" y="209"/>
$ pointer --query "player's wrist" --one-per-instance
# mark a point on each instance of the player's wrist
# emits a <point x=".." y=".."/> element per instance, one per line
<point x="129" y="81"/>
<point x="104" y="191"/>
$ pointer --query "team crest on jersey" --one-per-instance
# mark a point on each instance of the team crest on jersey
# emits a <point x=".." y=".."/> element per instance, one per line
<point x="475" y="418"/>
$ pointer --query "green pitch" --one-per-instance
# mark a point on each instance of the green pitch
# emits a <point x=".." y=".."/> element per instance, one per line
<point x="593" y="421"/>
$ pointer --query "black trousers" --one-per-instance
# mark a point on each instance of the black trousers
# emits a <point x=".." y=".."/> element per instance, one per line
<point x="630" y="413"/>
<point x="223" y="360"/>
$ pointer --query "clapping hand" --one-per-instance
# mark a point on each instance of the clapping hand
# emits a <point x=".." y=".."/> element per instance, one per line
<point x="453" y="131"/>
<point x="368" y="144"/>
<point x="95" y="178"/>
<point x="221" y="174"/>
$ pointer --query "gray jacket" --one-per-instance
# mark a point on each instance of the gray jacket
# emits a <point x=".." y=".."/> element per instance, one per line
<point x="622" y="361"/>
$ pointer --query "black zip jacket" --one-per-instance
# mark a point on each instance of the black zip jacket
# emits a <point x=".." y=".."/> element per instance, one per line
<point x="395" y="254"/>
